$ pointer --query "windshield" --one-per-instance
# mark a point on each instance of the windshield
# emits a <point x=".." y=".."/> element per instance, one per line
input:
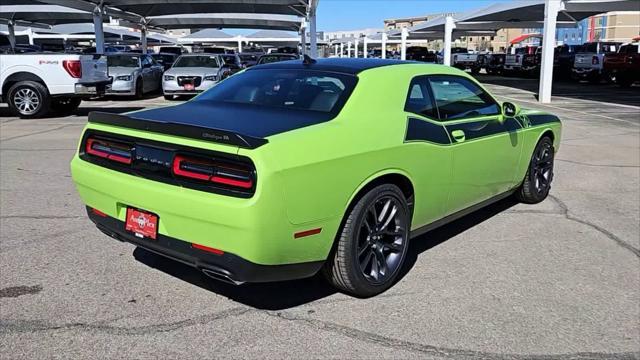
<point x="229" y="59"/>
<point x="248" y="57"/>
<point x="123" y="60"/>
<point x="286" y="89"/>
<point x="197" y="61"/>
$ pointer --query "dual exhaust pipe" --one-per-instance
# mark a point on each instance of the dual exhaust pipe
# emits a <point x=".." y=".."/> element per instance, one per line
<point x="221" y="276"/>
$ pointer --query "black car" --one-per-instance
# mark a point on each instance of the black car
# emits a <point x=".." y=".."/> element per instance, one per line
<point x="249" y="59"/>
<point x="173" y="50"/>
<point x="165" y="59"/>
<point x="564" y="57"/>
<point x="271" y="58"/>
<point x="494" y="64"/>
<point x="420" y="53"/>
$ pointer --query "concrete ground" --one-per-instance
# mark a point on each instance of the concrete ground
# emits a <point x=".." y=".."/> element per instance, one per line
<point x="556" y="280"/>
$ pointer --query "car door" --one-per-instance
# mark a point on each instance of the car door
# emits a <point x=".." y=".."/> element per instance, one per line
<point x="485" y="145"/>
<point x="147" y="74"/>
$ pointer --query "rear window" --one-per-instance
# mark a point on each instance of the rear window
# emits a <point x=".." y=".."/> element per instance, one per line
<point x="197" y="61"/>
<point x="123" y="60"/>
<point x="317" y="91"/>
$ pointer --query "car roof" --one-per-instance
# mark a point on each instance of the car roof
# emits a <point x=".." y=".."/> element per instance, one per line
<point x="343" y="65"/>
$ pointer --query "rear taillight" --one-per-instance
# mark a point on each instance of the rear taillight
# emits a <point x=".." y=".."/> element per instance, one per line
<point x="232" y="175"/>
<point x="111" y="150"/>
<point x="73" y="67"/>
<point x="595" y="60"/>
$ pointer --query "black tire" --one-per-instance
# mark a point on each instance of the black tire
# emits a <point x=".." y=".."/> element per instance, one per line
<point x="475" y="71"/>
<point x="624" y="80"/>
<point x="168" y="97"/>
<point x="139" y="89"/>
<point x="38" y="105"/>
<point x="537" y="182"/>
<point x="65" y="105"/>
<point x="365" y="245"/>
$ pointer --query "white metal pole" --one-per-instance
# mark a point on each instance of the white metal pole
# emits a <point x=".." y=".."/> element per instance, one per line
<point x="403" y="45"/>
<point x="98" y="29"/>
<point x="551" y="9"/>
<point x="364" y="47"/>
<point x="314" y="35"/>
<point x="341" y="49"/>
<point x="449" y="25"/>
<point x="239" y="45"/>
<point x="143" y="39"/>
<point x="356" y="42"/>
<point x="349" y="49"/>
<point x="30" y="33"/>
<point x="336" y="47"/>
<point x="384" y="45"/>
<point x="12" y="34"/>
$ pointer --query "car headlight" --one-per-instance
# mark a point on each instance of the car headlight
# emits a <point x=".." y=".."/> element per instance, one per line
<point x="124" y="77"/>
<point x="210" y="78"/>
<point x="169" y="77"/>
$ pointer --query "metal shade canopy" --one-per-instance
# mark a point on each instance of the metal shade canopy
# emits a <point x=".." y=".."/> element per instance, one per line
<point x="244" y="21"/>
<point x="43" y="14"/>
<point x="147" y="8"/>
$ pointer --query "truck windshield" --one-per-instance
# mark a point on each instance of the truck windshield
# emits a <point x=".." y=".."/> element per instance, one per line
<point x="123" y="60"/>
<point x="197" y="61"/>
<point x="318" y="91"/>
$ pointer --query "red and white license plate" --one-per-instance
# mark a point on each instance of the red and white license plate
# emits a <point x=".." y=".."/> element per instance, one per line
<point x="189" y="87"/>
<point x="142" y="223"/>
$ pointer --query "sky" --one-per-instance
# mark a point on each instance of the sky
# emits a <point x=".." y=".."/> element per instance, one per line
<point x="334" y="15"/>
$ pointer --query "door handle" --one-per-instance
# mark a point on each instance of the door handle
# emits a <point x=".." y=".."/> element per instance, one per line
<point x="458" y="135"/>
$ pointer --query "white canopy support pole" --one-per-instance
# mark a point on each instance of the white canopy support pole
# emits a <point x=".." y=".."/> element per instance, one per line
<point x="336" y="47"/>
<point x="303" y="41"/>
<point x="551" y="9"/>
<point x="364" y="47"/>
<point x="30" y="34"/>
<point x="98" y="29"/>
<point x="355" y="53"/>
<point x="383" y="54"/>
<point x="143" y="38"/>
<point x="341" y="49"/>
<point x="403" y="43"/>
<point x="314" y="34"/>
<point x="12" y="34"/>
<point x="449" y="25"/>
<point x="349" y="49"/>
<point x="239" y="45"/>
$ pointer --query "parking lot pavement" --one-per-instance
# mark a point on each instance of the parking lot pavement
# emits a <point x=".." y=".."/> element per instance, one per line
<point x="555" y="280"/>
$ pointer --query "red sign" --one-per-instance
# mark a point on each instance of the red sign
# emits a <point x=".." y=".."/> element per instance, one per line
<point x="189" y="87"/>
<point x="142" y="224"/>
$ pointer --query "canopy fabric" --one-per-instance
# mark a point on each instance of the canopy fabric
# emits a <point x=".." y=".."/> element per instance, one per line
<point x="28" y="15"/>
<point x="215" y="20"/>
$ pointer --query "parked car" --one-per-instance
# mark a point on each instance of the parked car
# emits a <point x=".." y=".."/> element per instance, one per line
<point x="523" y="60"/>
<point x="624" y="66"/>
<point x="454" y="50"/>
<point x="34" y="84"/>
<point x="212" y="50"/>
<point x="165" y="59"/>
<point x="192" y="74"/>
<point x="249" y="59"/>
<point x="377" y="54"/>
<point x="262" y="178"/>
<point x="133" y="74"/>
<point x="563" y="60"/>
<point x="495" y="64"/>
<point x="589" y="60"/>
<point x="275" y="57"/>
<point x="178" y="50"/>
<point x="232" y="62"/>
<point x="466" y="61"/>
<point x="423" y="54"/>
<point x="19" y="49"/>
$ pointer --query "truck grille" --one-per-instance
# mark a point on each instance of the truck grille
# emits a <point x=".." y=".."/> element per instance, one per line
<point x="193" y="80"/>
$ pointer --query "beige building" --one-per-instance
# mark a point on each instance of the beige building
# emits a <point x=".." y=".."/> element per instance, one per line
<point x="401" y="23"/>
<point x="614" y="26"/>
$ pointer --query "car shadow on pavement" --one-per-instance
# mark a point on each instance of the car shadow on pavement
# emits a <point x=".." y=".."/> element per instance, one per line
<point x="85" y="110"/>
<point x="288" y="294"/>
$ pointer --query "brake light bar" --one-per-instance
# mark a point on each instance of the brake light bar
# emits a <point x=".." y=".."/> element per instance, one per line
<point x="73" y="67"/>
<point x="109" y="150"/>
<point x="207" y="170"/>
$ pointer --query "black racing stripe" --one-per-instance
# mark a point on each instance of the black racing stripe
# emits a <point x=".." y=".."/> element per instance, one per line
<point x="422" y="130"/>
<point x="541" y="119"/>
<point x="479" y="129"/>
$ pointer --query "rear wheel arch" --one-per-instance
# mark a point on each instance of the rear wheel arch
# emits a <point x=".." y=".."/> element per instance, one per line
<point x="19" y="77"/>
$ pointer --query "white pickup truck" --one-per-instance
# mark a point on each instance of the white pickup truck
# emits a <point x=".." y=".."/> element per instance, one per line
<point x="36" y="84"/>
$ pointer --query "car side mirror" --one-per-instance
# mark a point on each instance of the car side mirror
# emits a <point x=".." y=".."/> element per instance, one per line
<point x="510" y="109"/>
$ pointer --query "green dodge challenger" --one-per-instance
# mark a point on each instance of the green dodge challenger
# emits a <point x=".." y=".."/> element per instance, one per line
<point x="294" y="168"/>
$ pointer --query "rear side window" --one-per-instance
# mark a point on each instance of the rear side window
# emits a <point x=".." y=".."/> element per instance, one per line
<point x="419" y="99"/>
<point x="317" y="91"/>
<point x="457" y="97"/>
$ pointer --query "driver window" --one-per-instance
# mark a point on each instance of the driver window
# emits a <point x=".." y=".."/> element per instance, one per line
<point x="458" y="98"/>
<point x="419" y="100"/>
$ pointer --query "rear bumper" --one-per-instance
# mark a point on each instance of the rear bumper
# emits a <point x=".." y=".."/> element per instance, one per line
<point x="585" y="72"/>
<point x="225" y="267"/>
<point x="96" y="88"/>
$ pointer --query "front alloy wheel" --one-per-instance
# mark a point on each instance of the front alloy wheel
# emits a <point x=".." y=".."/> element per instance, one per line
<point x="537" y="182"/>
<point x="372" y="243"/>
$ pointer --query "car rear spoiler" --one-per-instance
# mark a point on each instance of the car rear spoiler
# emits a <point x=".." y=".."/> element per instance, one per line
<point x="184" y="130"/>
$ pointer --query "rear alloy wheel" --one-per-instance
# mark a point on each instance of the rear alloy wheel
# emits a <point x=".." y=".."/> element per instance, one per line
<point x="29" y="99"/>
<point x="372" y="244"/>
<point x="537" y="183"/>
